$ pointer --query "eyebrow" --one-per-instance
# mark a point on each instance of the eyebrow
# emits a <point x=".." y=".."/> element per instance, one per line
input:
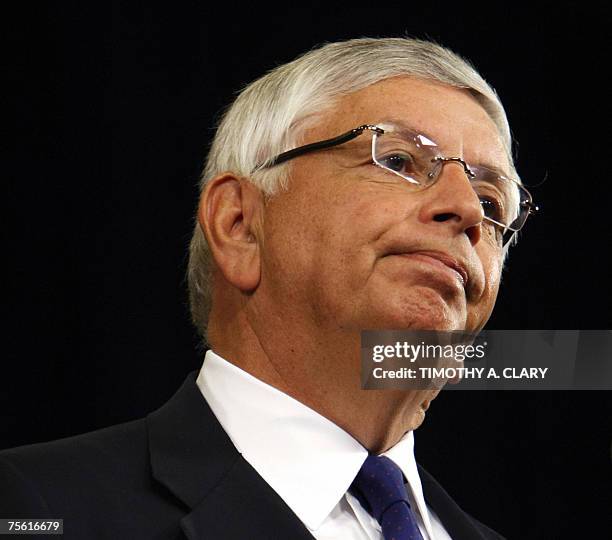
<point x="405" y="125"/>
<point x="409" y="127"/>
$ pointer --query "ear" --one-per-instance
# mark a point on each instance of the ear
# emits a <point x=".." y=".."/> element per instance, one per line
<point x="230" y="214"/>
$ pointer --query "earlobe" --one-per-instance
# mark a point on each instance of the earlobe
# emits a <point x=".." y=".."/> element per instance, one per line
<point x="229" y="213"/>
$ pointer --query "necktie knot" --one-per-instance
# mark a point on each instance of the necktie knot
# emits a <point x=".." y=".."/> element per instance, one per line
<point x="379" y="487"/>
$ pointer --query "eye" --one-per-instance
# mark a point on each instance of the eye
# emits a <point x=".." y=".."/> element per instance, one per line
<point x="492" y="208"/>
<point x="399" y="163"/>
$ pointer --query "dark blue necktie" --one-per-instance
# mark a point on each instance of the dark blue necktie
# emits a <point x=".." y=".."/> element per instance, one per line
<point x="379" y="486"/>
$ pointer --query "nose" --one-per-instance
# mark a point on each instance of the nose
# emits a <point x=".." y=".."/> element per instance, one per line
<point x="452" y="203"/>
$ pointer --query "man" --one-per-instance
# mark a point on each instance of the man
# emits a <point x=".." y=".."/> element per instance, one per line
<point x="368" y="184"/>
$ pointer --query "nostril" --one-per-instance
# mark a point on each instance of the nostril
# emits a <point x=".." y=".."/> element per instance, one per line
<point x="444" y="217"/>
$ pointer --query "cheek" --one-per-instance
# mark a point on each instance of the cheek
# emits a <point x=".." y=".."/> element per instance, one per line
<point x="352" y="236"/>
<point x="492" y="277"/>
<point x="327" y="248"/>
<point x="306" y="245"/>
<point x="483" y="307"/>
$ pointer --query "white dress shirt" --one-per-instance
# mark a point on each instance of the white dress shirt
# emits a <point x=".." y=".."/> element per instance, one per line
<point x="308" y="460"/>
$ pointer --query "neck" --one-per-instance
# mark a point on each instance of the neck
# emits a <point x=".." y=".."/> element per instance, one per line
<point x="321" y="370"/>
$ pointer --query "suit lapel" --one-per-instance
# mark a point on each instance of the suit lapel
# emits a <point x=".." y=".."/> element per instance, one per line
<point x="194" y="458"/>
<point x="243" y="506"/>
<point x="459" y="525"/>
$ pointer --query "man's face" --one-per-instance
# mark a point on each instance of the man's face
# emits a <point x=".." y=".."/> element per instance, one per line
<point x="356" y="247"/>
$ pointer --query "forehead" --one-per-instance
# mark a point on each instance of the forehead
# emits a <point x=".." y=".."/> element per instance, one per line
<point x="450" y="116"/>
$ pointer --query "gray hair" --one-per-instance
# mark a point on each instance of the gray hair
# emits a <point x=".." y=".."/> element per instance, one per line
<point x="270" y="114"/>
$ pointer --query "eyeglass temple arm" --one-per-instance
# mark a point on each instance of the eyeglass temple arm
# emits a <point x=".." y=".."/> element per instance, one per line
<point x="327" y="143"/>
<point x="533" y="208"/>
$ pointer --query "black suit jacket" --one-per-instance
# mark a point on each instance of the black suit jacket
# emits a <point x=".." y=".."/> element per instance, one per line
<point x="172" y="475"/>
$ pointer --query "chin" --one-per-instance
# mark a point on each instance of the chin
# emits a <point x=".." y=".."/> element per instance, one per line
<point x="423" y="319"/>
<point x="426" y="309"/>
<point x="418" y="417"/>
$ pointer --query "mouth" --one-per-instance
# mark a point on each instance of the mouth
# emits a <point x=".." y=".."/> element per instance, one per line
<point x="439" y="258"/>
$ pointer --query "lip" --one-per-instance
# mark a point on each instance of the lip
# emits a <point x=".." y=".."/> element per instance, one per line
<point x="446" y="260"/>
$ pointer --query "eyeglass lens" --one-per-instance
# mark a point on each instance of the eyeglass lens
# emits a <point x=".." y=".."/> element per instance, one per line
<point x="413" y="157"/>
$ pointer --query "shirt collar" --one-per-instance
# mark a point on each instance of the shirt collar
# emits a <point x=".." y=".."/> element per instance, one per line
<point x="307" y="459"/>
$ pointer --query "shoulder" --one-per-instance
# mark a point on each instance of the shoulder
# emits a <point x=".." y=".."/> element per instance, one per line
<point x="93" y="455"/>
<point x="107" y="470"/>
<point x="103" y="484"/>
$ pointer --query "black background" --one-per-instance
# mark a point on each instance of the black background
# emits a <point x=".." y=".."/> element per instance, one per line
<point x="114" y="111"/>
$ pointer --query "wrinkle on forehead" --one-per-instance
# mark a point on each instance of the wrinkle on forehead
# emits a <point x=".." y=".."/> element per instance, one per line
<point x="452" y="117"/>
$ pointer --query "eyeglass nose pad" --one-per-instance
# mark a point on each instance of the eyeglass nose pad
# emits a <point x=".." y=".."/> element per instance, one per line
<point x="435" y="171"/>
